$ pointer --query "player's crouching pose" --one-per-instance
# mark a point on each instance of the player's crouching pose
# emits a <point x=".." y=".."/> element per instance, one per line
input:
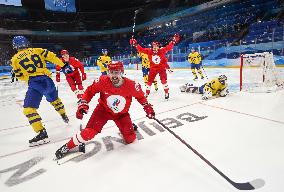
<point x="29" y="64"/>
<point x="116" y="94"/>
<point x="216" y="87"/>
<point x="74" y="79"/>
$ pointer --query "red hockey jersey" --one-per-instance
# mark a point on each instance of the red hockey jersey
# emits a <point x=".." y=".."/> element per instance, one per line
<point x="158" y="60"/>
<point x="116" y="100"/>
<point x="75" y="65"/>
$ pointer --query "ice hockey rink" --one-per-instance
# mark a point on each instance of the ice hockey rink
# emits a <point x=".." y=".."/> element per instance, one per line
<point x="241" y="134"/>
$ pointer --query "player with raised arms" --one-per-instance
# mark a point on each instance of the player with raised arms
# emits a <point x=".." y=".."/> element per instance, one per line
<point x="158" y="62"/>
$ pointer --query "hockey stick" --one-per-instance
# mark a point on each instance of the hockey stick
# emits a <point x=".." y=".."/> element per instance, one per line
<point x="133" y="30"/>
<point x="204" y="72"/>
<point x="82" y="145"/>
<point x="254" y="184"/>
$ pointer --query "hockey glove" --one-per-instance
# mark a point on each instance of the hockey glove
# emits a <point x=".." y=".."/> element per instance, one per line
<point x="150" y="113"/>
<point x="83" y="108"/>
<point x="84" y="76"/>
<point x="176" y="38"/>
<point x="67" y="69"/>
<point x="57" y="76"/>
<point x="133" y="42"/>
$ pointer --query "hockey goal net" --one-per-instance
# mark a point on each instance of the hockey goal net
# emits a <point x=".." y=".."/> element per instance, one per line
<point x="258" y="73"/>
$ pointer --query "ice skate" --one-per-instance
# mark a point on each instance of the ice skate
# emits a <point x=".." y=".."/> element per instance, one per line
<point x="61" y="152"/>
<point x="40" y="139"/>
<point x="167" y="96"/>
<point x="82" y="148"/>
<point x="135" y="127"/>
<point x="65" y="118"/>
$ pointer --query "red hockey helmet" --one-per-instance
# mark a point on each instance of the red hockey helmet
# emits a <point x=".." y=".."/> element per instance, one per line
<point x="64" y="51"/>
<point x="116" y="66"/>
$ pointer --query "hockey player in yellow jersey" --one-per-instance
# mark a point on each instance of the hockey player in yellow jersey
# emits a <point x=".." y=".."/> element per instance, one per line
<point x="29" y="65"/>
<point x="103" y="62"/>
<point x="194" y="58"/>
<point x="216" y="87"/>
<point x="146" y="69"/>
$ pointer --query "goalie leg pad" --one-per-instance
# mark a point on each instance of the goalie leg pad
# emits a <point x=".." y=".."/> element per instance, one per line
<point x="189" y="88"/>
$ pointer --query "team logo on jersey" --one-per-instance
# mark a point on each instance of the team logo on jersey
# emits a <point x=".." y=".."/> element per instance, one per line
<point x="137" y="86"/>
<point x="116" y="103"/>
<point x="156" y="59"/>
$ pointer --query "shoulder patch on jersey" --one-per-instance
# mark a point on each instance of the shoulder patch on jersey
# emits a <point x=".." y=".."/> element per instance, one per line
<point x="137" y="86"/>
<point x="96" y="80"/>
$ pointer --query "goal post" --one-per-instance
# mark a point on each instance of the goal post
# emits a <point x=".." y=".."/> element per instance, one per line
<point x="258" y="73"/>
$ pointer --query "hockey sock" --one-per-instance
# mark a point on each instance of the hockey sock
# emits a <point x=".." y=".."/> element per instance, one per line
<point x="58" y="106"/>
<point x="34" y="118"/>
<point x="155" y="84"/>
<point x="200" y="73"/>
<point x="166" y="88"/>
<point x="148" y="89"/>
<point x="194" y="73"/>
<point x="145" y="79"/>
<point x="81" y="137"/>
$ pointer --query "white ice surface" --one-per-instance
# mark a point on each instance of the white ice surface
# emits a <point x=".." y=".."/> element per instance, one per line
<point x="242" y="135"/>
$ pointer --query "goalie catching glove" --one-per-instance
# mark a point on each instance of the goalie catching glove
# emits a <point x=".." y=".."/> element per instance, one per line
<point x="83" y="108"/>
<point x="150" y="113"/>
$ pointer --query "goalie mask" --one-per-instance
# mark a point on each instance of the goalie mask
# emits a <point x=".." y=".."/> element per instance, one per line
<point x="115" y="72"/>
<point x="222" y="79"/>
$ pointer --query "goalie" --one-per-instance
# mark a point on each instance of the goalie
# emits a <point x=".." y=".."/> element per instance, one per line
<point x="216" y="87"/>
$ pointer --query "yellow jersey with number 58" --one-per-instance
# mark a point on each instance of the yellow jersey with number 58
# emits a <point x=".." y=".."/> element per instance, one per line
<point x="31" y="62"/>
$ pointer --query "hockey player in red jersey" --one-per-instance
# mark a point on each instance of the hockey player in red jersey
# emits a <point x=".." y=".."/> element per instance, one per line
<point x="116" y="94"/>
<point x="158" y="62"/>
<point x="74" y="79"/>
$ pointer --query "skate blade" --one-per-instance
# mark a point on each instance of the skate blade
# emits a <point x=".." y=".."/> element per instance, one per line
<point x="41" y="142"/>
<point x="67" y="158"/>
